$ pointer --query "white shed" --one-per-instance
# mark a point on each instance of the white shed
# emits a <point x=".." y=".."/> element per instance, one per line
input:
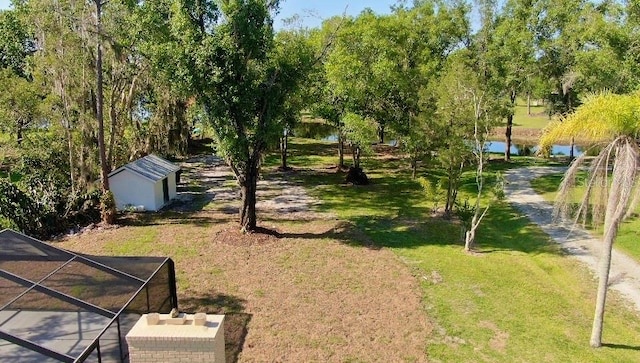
<point x="147" y="184"/>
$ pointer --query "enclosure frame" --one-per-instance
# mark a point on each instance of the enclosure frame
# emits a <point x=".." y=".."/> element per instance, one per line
<point x="17" y="249"/>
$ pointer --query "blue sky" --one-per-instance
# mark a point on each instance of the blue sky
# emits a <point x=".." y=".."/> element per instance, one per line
<point x="312" y="12"/>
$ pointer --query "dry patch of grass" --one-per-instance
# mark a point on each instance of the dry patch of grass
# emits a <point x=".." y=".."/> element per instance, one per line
<point x="298" y="291"/>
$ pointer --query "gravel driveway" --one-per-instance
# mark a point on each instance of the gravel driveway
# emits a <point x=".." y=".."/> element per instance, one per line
<point x="575" y="241"/>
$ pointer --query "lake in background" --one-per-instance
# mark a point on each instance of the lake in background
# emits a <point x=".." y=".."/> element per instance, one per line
<point x="324" y="132"/>
<point x="530" y="150"/>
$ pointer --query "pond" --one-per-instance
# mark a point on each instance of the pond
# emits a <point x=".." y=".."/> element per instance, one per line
<point x="530" y="150"/>
<point x="315" y="130"/>
<point x="324" y="132"/>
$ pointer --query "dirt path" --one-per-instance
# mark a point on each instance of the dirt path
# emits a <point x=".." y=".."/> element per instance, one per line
<point x="578" y="243"/>
<point x="207" y="178"/>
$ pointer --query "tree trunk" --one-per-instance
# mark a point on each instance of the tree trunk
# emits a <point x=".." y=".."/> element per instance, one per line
<point x="353" y="156"/>
<point x="113" y="119"/>
<point x="284" y="143"/>
<point x="108" y="209"/>
<point x="414" y="166"/>
<point x="449" y="203"/>
<point x="603" y="281"/>
<point x="507" y="138"/>
<point x="248" y="185"/>
<point x="470" y="237"/>
<point x="528" y="104"/>
<point x="340" y="152"/>
<point x="507" y="134"/>
<point x="381" y="134"/>
<point x="71" y="163"/>
<point x="571" y="153"/>
<point x="19" y="132"/>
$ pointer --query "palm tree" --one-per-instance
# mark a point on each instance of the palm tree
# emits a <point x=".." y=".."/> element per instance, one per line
<point x="612" y="191"/>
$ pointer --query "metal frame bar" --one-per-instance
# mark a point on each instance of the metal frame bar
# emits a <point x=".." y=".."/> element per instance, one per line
<point x="110" y="269"/>
<point x="171" y="271"/>
<point x="56" y="254"/>
<point x="45" y="247"/>
<point x="53" y="293"/>
<point x="33" y="284"/>
<point x="35" y="347"/>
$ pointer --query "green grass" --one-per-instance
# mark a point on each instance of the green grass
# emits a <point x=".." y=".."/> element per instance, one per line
<point x="629" y="233"/>
<point x="142" y="243"/>
<point x="537" y="120"/>
<point x="517" y="299"/>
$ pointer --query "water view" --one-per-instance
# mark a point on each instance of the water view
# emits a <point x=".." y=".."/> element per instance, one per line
<point x="530" y="150"/>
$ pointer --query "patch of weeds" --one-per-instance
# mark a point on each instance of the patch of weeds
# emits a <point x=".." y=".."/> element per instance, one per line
<point x="141" y="243"/>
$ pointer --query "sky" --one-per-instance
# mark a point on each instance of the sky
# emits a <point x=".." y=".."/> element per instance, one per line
<point x="312" y="12"/>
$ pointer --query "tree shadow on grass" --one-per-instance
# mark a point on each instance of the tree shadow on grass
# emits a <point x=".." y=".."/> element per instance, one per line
<point x="170" y="217"/>
<point x="621" y="346"/>
<point x="502" y="230"/>
<point x="236" y="321"/>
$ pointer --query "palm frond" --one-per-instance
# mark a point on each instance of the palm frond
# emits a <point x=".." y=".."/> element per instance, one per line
<point x="624" y="175"/>
<point x="604" y="117"/>
<point x="562" y="205"/>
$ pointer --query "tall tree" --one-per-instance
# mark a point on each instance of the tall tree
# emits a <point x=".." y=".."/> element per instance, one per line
<point x="612" y="190"/>
<point x="108" y="205"/>
<point x="328" y="103"/>
<point x="242" y="78"/>
<point x="511" y="54"/>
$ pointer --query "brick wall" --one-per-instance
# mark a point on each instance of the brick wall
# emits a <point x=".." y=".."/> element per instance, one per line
<point x="187" y="342"/>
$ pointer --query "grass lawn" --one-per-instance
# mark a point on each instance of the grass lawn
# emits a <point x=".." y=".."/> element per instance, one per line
<point x="537" y="120"/>
<point x="369" y="275"/>
<point x="629" y="233"/>
<point x="517" y="299"/>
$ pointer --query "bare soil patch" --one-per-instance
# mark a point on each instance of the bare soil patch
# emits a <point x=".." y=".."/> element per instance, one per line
<point x="305" y="288"/>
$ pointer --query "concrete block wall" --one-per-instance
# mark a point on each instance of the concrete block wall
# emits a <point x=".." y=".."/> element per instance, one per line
<point x="167" y="342"/>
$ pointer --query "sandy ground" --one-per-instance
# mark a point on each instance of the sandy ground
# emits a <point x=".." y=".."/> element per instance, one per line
<point x="578" y="243"/>
<point x="309" y="288"/>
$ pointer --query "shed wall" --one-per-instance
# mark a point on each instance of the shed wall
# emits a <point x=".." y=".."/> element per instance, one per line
<point x="130" y="189"/>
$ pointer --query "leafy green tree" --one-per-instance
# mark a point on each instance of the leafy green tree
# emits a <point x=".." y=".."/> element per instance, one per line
<point x="359" y="133"/>
<point x="511" y="53"/>
<point x="612" y="190"/>
<point x="19" y="105"/>
<point x="16" y="43"/>
<point x="242" y="78"/>
<point x="455" y="121"/>
<point x="327" y="102"/>
<point x="420" y="39"/>
<point x="296" y="43"/>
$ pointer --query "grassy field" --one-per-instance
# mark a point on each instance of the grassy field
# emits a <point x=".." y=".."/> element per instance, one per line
<point x="537" y="120"/>
<point x="629" y="233"/>
<point x="517" y="299"/>
<point x="379" y="279"/>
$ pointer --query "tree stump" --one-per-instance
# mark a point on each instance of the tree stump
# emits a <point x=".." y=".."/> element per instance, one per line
<point x="356" y="176"/>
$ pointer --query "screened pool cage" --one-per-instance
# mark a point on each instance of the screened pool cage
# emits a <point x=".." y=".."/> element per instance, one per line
<point x="60" y="306"/>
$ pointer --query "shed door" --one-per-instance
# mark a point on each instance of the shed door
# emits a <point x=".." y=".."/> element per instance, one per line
<point x="165" y="189"/>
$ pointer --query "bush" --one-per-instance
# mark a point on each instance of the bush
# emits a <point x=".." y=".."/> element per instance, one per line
<point x="18" y="209"/>
<point x="42" y="203"/>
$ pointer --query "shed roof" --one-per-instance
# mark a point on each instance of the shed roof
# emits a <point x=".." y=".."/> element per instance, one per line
<point x="150" y="167"/>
